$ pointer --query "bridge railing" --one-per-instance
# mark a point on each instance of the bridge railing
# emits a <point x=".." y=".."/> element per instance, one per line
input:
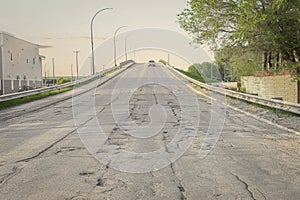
<point x="273" y="103"/>
<point x="17" y="95"/>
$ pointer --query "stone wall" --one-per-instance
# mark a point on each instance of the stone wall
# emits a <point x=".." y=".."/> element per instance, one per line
<point x="272" y="87"/>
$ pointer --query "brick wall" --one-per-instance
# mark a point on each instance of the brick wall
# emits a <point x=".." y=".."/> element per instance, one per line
<point x="272" y="87"/>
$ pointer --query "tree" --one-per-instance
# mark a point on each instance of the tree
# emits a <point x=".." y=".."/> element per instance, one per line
<point x="269" y="27"/>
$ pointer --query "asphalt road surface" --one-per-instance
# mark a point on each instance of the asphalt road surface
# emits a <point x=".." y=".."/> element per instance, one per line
<point x="144" y="134"/>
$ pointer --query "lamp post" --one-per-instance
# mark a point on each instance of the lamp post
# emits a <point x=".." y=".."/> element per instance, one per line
<point x="115" y="48"/>
<point x="45" y="74"/>
<point x="92" y="38"/>
<point x="126" y="46"/>
<point x="126" y="49"/>
<point x="53" y="71"/>
<point x="71" y="72"/>
<point x="76" y="53"/>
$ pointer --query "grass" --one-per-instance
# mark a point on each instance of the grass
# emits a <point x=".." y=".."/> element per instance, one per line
<point x="62" y="80"/>
<point x="195" y="76"/>
<point x="14" y="102"/>
<point x="109" y="72"/>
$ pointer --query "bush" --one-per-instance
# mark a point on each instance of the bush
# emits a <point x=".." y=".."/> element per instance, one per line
<point x="62" y="80"/>
<point x="193" y="73"/>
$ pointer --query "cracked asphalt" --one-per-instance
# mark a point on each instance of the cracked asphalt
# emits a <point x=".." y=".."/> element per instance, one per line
<point x="43" y="157"/>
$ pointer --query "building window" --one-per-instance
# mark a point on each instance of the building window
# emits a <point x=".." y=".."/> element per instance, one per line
<point x="27" y="60"/>
<point x="11" y="57"/>
<point x="33" y="61"/>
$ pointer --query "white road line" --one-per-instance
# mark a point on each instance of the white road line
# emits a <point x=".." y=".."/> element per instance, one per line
<point x="264" y="120"/>
<point x="247" y="113"/>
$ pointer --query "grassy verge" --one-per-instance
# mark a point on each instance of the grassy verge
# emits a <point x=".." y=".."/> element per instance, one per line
<point x="195" y="76"/>
<point x="110" y="72"/>
<point x="14" y="102"/>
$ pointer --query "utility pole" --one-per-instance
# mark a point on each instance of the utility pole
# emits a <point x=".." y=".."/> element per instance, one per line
<point x="53" y="71"/>
<point x="211" y="71"/>
<point x="126" y="55"/>
<point x="126" y="49"/>
<point x="232" y="73"/>
<point x="72" y="72"/>
<point x="224" y="73"/>
<point x="45" y="74"/>
<point x="76" y="54"/>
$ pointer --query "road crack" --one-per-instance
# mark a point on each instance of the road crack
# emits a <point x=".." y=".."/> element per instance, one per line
<point x="246" y="186"/>
<point x="6" y="177"/>
<point x="47" y="148"/>
<point x="53" y="144"/>
<point x="180" y="186"/>
<point x="155" y="97"/>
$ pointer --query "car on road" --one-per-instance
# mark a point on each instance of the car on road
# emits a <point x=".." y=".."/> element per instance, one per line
<point x="151" y="63"/>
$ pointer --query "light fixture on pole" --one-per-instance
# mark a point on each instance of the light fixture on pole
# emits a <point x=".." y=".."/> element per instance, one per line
<point x="115" y="48"/>
<point x="92" y="38"/>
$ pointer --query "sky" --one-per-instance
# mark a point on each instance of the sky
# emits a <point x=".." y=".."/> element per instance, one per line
<point x="63" y="26"/>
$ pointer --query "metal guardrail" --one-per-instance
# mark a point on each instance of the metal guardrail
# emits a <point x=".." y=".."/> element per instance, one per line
<point x="281" y="105"/>
<point x="55" y="87"/>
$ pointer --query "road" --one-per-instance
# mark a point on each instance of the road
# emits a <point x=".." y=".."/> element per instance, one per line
<point x="143" y="135"/>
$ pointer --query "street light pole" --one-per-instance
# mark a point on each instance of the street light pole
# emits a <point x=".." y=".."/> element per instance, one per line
<point x="134" y="54"/>
<point x="53" y="71"/>
<point x="76" y="53"/>
<point x="115" y="48"/>
<point x="71" y="72"/>
<point x="45" y="74"/>
<point x="126" y="47"/>
<point x="92" y="38"/>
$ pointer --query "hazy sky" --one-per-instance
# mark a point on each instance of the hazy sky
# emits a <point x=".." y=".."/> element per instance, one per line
<point x="64" y="25"/>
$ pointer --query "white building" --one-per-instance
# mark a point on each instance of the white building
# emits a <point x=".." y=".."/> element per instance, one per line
<point x="20" y="64"/>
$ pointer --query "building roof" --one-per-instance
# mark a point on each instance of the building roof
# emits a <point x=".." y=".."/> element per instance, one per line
<point x="11" y="35"/>
<point x="6" y="33"/>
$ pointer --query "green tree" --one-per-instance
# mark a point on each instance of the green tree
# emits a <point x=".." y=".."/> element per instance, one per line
<point x="271" y="28"/>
